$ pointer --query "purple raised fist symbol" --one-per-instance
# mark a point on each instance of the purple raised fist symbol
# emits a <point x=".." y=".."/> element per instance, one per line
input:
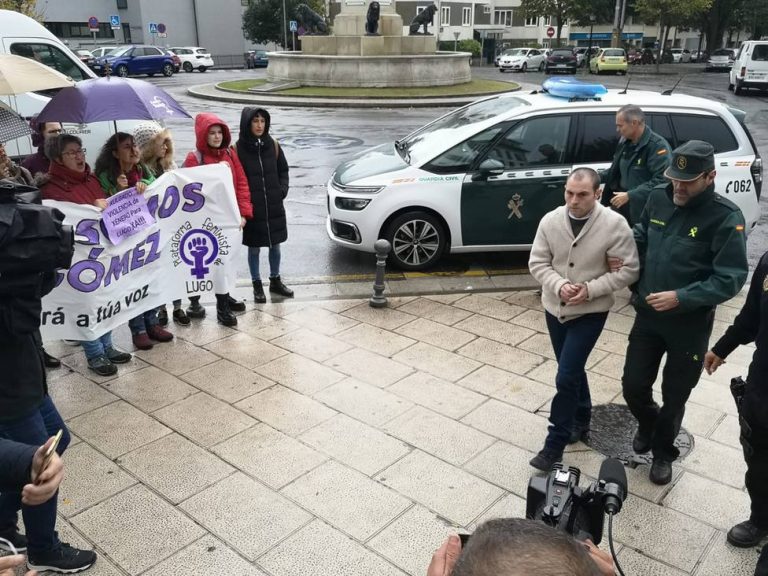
<point x="198" y="249"/>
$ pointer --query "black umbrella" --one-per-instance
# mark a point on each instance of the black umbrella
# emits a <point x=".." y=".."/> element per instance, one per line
<point x="12" y="125"/>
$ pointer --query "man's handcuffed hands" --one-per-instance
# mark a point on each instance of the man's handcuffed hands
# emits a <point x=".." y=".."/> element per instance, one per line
<point x="44" y="482"/>
<point x="445" y="557"/>
<point x="573" y="294"/>
<point x="663" y="301"/>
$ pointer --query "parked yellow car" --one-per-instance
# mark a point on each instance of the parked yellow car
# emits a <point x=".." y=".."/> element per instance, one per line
<point x="609" y="60"/>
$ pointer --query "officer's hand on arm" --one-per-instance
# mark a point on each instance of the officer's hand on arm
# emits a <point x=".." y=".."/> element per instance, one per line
<point x="712" y="362"/>
<point x="619" y="199"/>
<point x="581" y="295"/>
<point x="663" y="301"/>
<point x="445" y="557"/>
<point x="602" y="559"/>
<point x="614" y="263"/>
<point x="8" y="563"/>
<point x="44" y="482"/>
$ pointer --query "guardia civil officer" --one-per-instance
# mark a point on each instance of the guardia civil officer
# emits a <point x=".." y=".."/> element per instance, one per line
<point x="692" y="257"/>
<point x="638" y="164"/>
<point x="751" y="325"/>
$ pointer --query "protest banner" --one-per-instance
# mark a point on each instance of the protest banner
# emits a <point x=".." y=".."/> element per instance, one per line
<point x="191" y="248"/>
<point x="126" y="214"/>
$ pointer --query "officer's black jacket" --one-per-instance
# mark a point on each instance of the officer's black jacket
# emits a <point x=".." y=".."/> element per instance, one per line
<point x="751" y="325"/>
<point x="15" y="465"/>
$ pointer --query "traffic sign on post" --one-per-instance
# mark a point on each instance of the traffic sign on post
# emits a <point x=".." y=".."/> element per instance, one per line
<point x="114" y="22"/>
<point x="93" y="24"/>
<point x="153" y="28"/>
<point x="161" y="28"/>
<point x="293" y="25"/>
<point x="550" y="31"/>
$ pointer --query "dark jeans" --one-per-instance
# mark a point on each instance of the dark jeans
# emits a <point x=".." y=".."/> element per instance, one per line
<point x="39" y="521"/>
<point x="684" y="338"/>
<point x="754" y="441"/>
<point x="143" y="322"/>
<point x="762" y="563"/>
<point x="572" y="342"/>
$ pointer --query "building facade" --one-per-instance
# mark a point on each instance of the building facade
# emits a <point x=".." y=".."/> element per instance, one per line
<point x="214" y="24"/>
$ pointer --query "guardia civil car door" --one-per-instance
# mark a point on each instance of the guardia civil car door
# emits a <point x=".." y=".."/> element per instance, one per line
<point x="519" y="178"/>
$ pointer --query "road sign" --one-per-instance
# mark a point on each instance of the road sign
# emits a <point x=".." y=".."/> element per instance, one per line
<point x="550" y="31"/>
<point x="114" y="22"/>
<point x="93" y="24"/>
<point x="161" y="28"/>
<point x="162" y="35"/>
<point x="293" y="25"/>
<point x="153" y="28"/>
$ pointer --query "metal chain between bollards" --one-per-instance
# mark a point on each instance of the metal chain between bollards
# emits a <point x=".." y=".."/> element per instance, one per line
<point x="382" y="248"/>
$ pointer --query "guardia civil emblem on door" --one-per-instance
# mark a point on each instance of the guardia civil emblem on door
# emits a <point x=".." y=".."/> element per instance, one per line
<point x="514" y="204"/>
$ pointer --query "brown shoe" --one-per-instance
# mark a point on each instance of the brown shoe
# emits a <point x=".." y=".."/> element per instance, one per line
<point x="159" y="334"/>
<point x="142" y="341"/>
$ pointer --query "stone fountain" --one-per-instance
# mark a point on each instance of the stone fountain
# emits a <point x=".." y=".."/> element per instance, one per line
<point x="354" y="57"/>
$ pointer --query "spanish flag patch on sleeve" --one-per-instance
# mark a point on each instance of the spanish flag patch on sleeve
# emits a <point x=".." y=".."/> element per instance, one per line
<point x="661" y="152"/>
<point x="739" y="228"/>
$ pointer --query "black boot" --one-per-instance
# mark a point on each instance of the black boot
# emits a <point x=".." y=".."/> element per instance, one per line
<point x="223" y="312"/>
<point x="235" y="305"/>
<point x="276" y="286"/>
<point x="50" y="361"/>
<point x="195" y="309"/>
<point x="258" y="292"/>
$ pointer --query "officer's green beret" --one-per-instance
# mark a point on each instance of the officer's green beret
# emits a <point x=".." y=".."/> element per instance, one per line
<point x="691" y="160"/>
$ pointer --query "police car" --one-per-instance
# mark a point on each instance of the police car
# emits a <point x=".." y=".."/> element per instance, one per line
<point x="481" y="177"/>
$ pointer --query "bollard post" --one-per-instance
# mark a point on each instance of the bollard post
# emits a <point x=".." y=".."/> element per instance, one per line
<point x="382" y="247"/>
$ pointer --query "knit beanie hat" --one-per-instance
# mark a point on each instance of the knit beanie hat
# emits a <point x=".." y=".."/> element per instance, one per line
<point x="145" y="132"/>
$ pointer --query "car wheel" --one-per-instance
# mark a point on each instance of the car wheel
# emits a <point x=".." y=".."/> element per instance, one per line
<point x="202" y="68"/>
<point x="524" y="67"/>
<point x="168" y="70"/>
<point x="188" y="67"/>
<point x="501" y="70"/>
<point x="730" y="87"/>
<point x="122" y="71"/>
<point x="417" y="239"/>
<point x="738" y="89"/>
<point x="541" y="66"/>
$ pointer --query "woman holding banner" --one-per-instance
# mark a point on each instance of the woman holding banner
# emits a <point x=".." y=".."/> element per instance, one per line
<point x="119" y="168"/>
<point x="70" y="179"/>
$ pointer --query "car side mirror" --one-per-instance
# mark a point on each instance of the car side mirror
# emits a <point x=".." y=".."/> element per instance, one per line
<point x="489" y="167"/>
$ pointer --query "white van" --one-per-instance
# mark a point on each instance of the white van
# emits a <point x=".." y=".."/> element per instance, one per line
<point x="750" y="68"/>
<point x="23" y="36"/>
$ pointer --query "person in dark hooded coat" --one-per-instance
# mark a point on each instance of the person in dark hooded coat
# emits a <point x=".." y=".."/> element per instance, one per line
<point x="267" y="170"/>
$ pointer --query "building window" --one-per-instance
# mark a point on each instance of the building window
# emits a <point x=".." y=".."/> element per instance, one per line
<point x="79" y="30"/>
<point x="486" y="8"/>
<point x="547" y="20"/>
<point x="532" y="21"/>
<point x="445" y="16"/>
<point x="502" y="18"/>
<point x="420" y="9"/>
<point x="466" y="16"/>
<point x="122" y="4"/>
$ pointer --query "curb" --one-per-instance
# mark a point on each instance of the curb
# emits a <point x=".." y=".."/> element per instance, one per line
<point x="212" y="92"/>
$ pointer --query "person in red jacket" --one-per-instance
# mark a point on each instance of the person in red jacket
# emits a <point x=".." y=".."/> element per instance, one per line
<point x="213" y="145"/>
<point x="70" y="179"/>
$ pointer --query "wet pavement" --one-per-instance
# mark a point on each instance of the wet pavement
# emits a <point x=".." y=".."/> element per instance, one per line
<point x="322" y="436"/>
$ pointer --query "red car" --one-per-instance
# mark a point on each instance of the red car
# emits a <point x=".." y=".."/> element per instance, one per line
<point x="176" y="60"/>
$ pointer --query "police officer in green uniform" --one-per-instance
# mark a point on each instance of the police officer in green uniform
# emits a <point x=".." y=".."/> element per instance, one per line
<point x="638" y="164"/>
<point x="692" y="257"/>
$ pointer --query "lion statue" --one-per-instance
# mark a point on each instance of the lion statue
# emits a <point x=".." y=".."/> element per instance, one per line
<point x="423" y="18"/>
<point x="310" y="20"/>
<point x="372" y="19"/>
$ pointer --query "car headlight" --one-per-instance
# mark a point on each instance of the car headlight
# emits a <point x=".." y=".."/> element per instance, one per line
<point x="355" y="189"/>
<point x="351" y="203"/>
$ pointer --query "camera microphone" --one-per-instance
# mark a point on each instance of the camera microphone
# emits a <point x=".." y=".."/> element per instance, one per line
<point x="613" y="480"/>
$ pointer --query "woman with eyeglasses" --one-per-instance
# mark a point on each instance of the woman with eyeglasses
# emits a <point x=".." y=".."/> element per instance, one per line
<point x="119" y="167"/>
<point x="70" y="179"/>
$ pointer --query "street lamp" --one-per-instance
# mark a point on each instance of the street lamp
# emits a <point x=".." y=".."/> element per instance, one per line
<point x="591" y="25"/>
<point x="285" y="28"/>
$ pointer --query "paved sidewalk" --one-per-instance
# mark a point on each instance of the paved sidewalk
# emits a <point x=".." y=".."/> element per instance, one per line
<point x="325" y="437"/>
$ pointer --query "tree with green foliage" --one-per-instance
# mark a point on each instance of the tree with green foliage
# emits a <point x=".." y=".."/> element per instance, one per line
<point x="263" y="19"/>
<point x="26" y="7"/>
<point x="669" y="13"/>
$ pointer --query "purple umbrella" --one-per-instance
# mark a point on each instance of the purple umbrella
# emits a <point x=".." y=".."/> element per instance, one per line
<point x="110" y="98"/>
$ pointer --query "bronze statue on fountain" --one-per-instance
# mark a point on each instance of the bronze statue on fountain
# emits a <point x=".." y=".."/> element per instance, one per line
<point x="372" y="19"/>
<point x="423" y="18"/>
<point x="311" y="21"/>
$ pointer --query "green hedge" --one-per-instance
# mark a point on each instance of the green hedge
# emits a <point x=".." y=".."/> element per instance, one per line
<point x="471" y="46"/>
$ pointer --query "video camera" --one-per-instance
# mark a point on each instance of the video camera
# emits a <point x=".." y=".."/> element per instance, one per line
<point x="558" y="500"/>
<point x="34" y="243"/>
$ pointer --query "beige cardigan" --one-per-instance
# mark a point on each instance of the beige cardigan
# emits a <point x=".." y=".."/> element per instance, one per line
<point x="557" y="258"/>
